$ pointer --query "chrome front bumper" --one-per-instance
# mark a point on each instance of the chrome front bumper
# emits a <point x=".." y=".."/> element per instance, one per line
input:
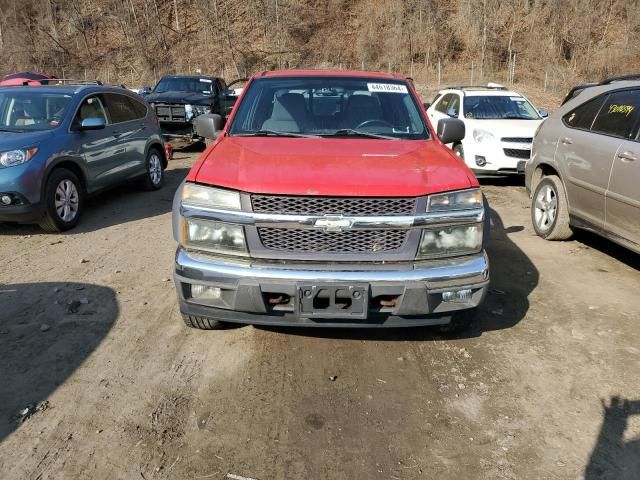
<point x="246" y="285"/>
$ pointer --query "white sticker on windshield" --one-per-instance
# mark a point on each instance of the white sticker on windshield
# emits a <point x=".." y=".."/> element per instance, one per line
<point x="205" y="80"/>
<point x="387" y="88"/>
<point x="517" y="99"/>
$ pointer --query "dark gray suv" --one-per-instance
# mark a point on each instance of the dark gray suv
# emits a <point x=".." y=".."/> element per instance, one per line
<point x="59" y="144"/>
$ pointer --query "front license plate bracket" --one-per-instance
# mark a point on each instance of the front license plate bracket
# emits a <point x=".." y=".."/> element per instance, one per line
<point x="333" y="301"/>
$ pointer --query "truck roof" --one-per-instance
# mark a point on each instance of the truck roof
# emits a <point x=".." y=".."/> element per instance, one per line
<point x="188" y="76"/>
<point x="329" y="73"/>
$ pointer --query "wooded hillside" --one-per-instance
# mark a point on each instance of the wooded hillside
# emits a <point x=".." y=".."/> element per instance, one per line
<point x="136" y="41"/>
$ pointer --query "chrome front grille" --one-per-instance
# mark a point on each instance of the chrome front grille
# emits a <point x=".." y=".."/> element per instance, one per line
<point x="320" y="241"/>
<point x="347" y="206"/>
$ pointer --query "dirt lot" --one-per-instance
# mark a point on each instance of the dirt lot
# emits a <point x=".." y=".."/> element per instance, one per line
<point x="546" y="386"/>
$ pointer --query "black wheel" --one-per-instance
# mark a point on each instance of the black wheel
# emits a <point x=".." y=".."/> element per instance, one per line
<point x="550" y="210"/>
<point x="154" y="178"/>
<point x="458" y="150"/>
<point x="202" y="323"/>
<point x="460" y="321"/>
<point x="63" y="201"/>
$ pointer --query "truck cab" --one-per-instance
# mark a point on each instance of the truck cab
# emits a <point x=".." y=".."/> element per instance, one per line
<point x="328" y="199"/>
<point x="178" y="99"/>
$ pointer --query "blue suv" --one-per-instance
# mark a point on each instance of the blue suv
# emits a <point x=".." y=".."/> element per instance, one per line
<point x="59" y="144"/>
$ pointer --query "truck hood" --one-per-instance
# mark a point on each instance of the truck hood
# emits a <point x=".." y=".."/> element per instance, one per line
<point x="184" y="98"/>
<point x="15" y="140"/>
<point x="332" y="167"/>
<point x="505" y="128"/>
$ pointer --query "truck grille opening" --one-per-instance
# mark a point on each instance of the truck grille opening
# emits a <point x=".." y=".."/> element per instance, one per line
<point x="348" y="206"/>
<point x="514" y="153"/>
<point x="517" y="139"/>
<point x="170" y="113"/>
<point x="318" y="241"/>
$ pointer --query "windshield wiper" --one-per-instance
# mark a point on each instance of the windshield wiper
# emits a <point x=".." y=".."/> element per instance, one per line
<point x="350" y="132"/>
<point x="275" y="133"/>
<point x="13" y="130"/>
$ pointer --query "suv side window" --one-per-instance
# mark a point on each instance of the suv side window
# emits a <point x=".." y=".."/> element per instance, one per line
<point x="454" y="106"/>
<point x="618" y="114"/>
<point x="120" y="108"/>
<point x="139" y="107"/>
<point x="583" y="116"/>
<point x="443" y="106"/>
<point x="91" y="107"/>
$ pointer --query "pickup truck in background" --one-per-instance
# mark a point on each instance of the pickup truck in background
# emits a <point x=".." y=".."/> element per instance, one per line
<point x="178" y="99"/>
<point x="328" y="200"/>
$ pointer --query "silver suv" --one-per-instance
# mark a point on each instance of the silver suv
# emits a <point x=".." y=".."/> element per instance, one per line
<point x="584" y="170"/>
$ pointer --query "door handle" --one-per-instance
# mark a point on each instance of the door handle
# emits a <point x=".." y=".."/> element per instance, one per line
<point x="627" y="157"/>
<point x="566" y="141"/>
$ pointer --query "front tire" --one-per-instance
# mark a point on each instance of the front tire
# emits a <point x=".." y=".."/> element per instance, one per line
<point x="154" y="178"/>
<point x="550" y="210"/>
<point x="202" y="323"/>
<point x="460" y="321"/>
<point x="64" y="201"/>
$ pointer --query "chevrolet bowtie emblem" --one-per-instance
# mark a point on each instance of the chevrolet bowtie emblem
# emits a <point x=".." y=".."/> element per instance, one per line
<point x="333" y="224"/>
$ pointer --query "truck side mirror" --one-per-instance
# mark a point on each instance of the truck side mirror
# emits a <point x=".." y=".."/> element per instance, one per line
<point x="426" y="105"/>
<point x="450" y="130"/>
<point x="208" y="125"/>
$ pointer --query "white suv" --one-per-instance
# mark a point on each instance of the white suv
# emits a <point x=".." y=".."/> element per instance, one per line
<point x="500" y="125"/>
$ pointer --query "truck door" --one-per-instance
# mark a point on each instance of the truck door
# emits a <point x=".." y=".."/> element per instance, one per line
<point x="229" y="95"/>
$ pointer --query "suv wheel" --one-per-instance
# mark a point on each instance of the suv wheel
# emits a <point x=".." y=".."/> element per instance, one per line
<point x="459" y="151"/>
<point x="154" y="177"/>
<point x="64" y="201"/>
<point x="550" y="210"/>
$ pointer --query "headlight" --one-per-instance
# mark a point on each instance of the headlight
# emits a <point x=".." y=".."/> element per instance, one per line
<point x="12" y="158"/>
<point x="450" y="241"/>
<point x="459" y="200"/>
<point x="213" y="236"/>
<point x="194" y="195"/>
<point x="482" y="136"/>
<point x="188" y="112"/>
<point x="201" y="109"/>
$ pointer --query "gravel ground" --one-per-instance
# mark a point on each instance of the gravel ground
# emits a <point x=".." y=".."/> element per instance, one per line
<point x="545" y="386"/>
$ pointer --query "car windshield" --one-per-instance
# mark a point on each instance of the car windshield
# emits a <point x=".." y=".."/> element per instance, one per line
<point x="352" y="107"/>
<point x="26" y="109"/>
<point x="499" y="107"/>
<point x="184" y="84"/>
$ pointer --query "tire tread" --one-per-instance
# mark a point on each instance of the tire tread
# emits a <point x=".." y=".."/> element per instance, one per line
<point x="201" y="323"/>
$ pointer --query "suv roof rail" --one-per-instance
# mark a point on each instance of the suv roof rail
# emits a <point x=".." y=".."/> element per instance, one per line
<point x="73" y="81"/>
<point x="620" y="78"/>
<point x="577" y="89"/>
<point x="489" y="86"/>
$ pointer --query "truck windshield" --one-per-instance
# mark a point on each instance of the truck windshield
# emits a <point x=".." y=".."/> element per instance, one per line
<point x="26" y="109"/>
<point x="186" y="84"/>
<point x="356" y="107"/>
<point x="499" y="107"/>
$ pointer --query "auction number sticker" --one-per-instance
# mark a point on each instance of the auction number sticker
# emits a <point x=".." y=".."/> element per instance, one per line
<point x="387" y="88"/>
<point x="205" y="80"/>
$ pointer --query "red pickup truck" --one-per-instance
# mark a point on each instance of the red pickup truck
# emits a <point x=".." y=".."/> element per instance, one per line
<point x="329" y="200"/>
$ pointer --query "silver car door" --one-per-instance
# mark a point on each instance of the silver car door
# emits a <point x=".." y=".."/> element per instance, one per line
<point x="587" y="157"/>
<point x="623" y="194"/>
